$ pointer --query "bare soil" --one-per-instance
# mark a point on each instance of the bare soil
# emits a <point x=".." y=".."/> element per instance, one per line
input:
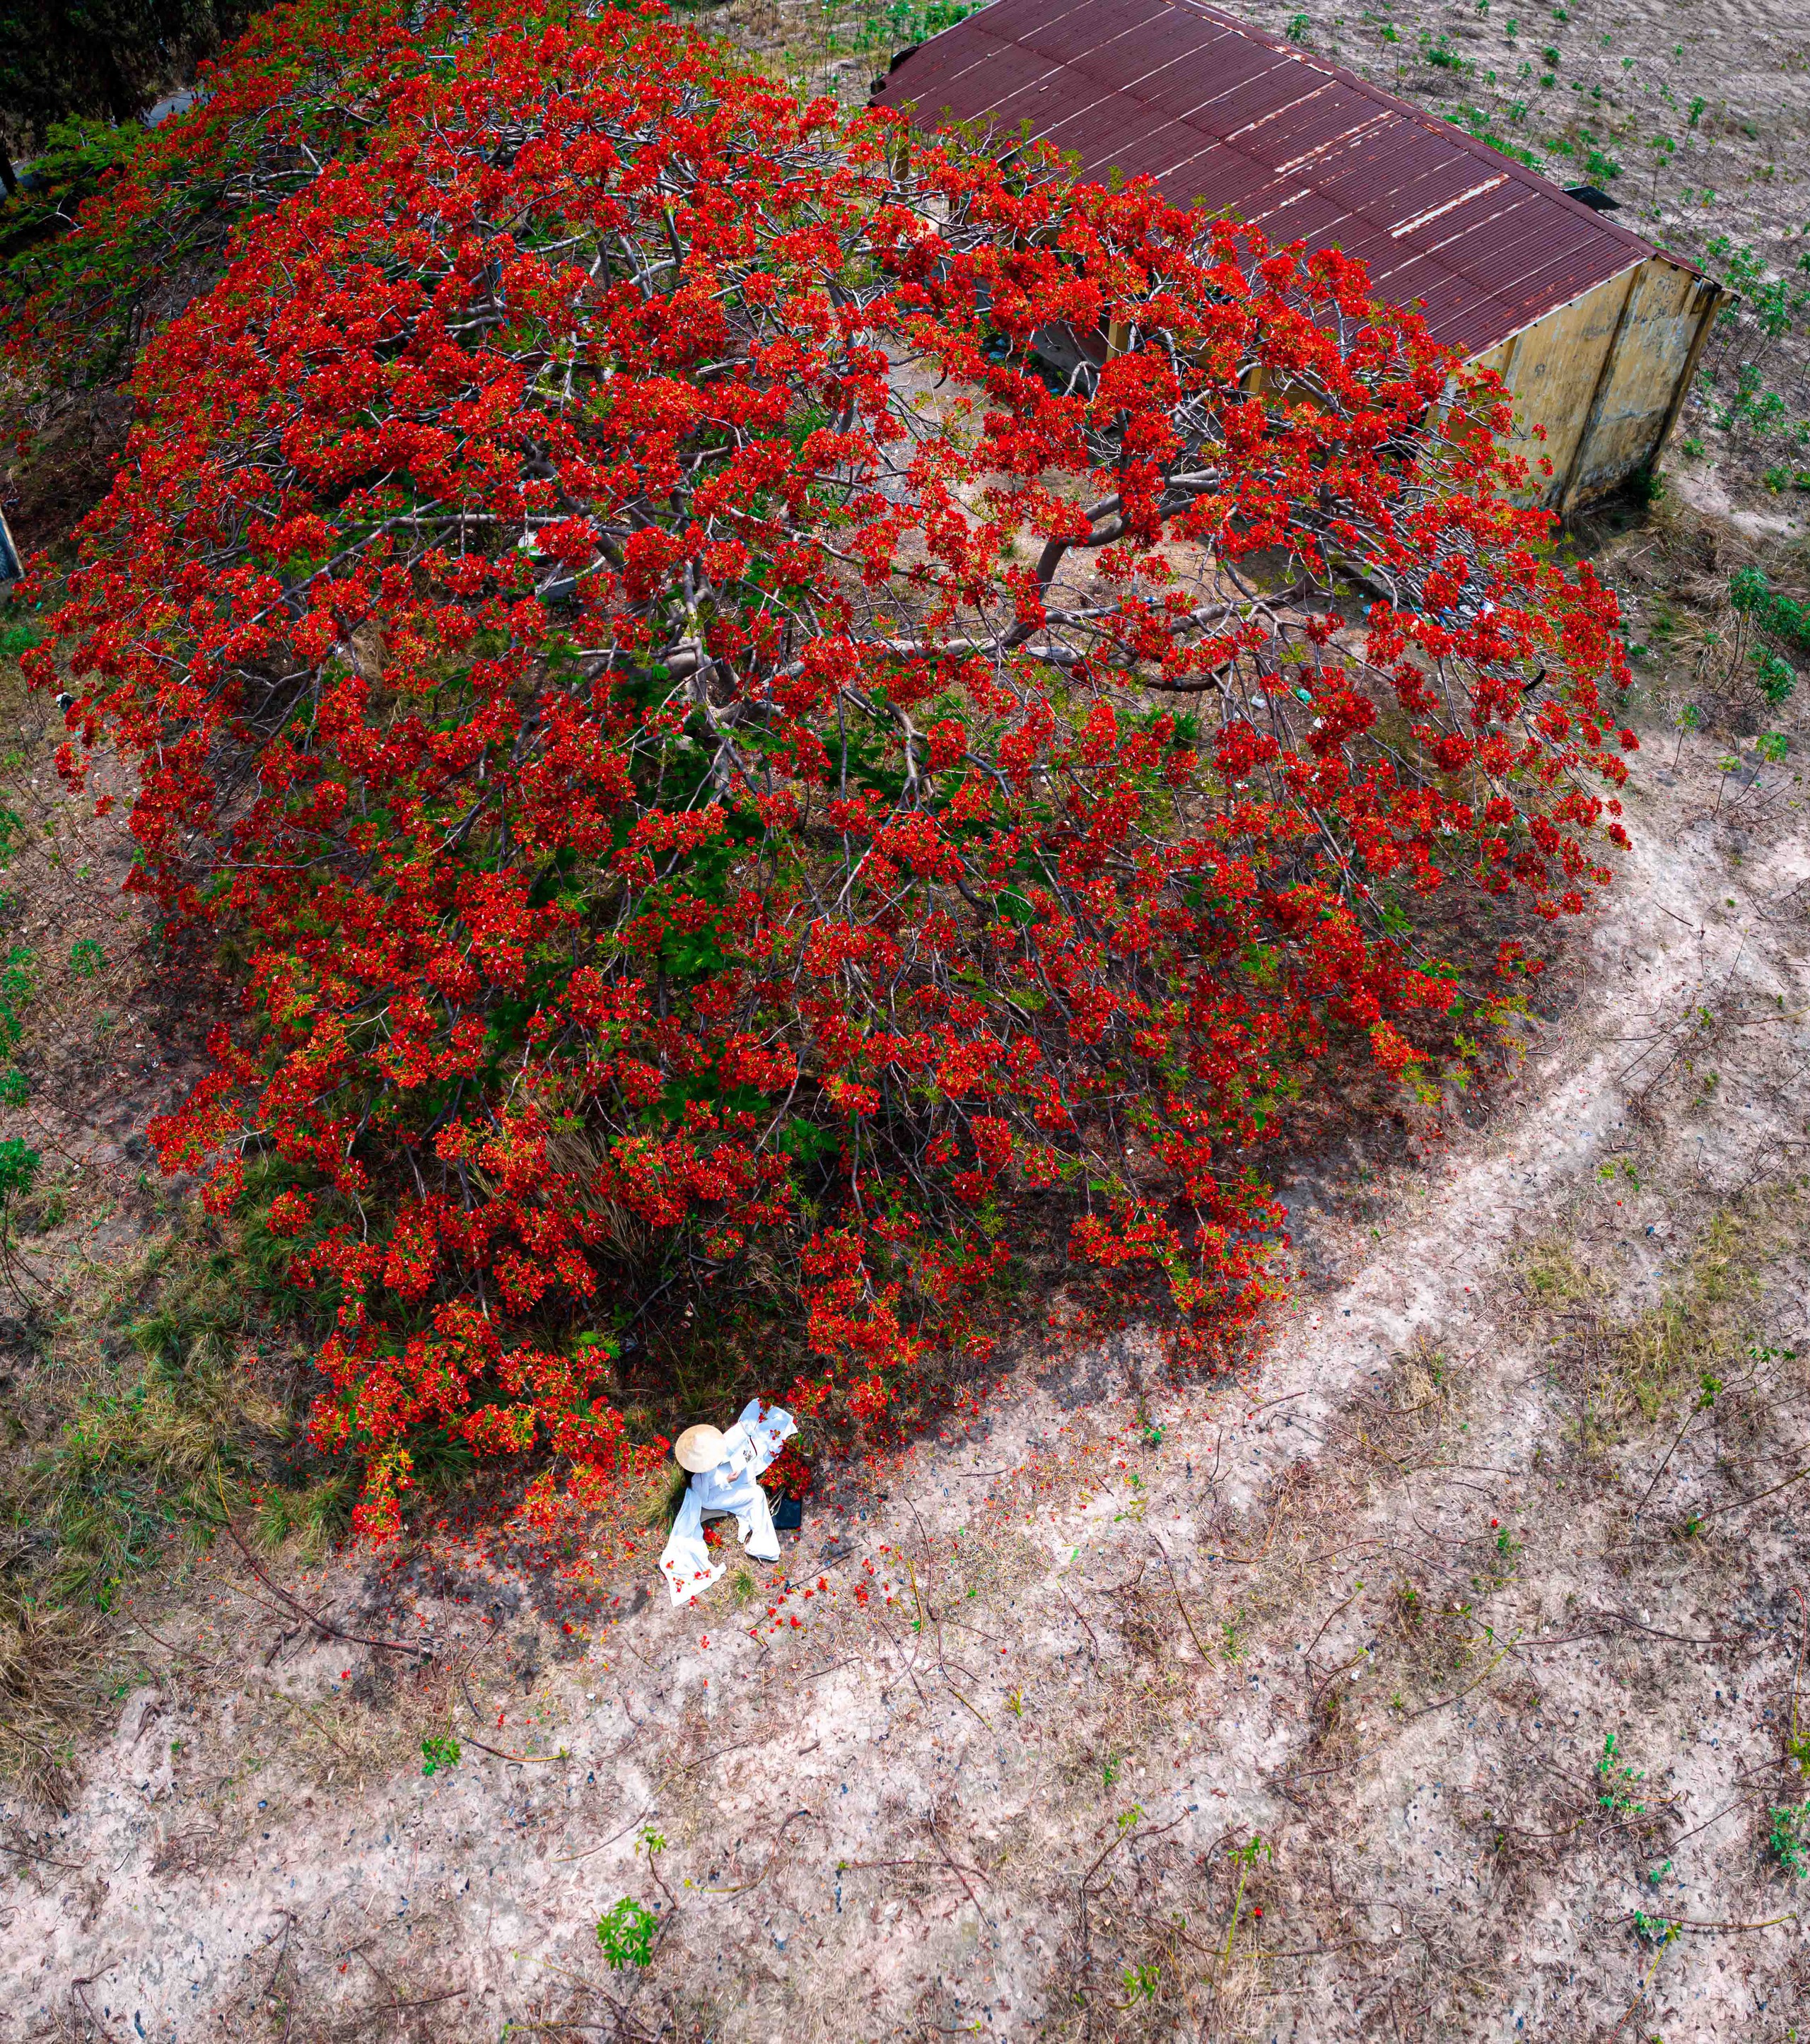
<point x="1442" y="1678"/>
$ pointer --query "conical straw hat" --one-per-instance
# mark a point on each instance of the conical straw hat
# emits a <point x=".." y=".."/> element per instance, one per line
<point x="698" y="1449"/>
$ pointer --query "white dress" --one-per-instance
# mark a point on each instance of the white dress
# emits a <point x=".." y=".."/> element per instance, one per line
<point x="730" y="1489"/>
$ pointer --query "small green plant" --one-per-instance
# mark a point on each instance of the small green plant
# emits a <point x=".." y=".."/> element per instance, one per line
<point x="1299" y="28"/>
<point x="1245" y="1856"/>
<point x="85" y="958"/>
<point x="17" y="983"/>
<point x="1110" y="1766"/>
<point x="1648" y="484"/>
<point x="439" y="1754"/>
<point x="18" y="1173"/>
<point x="741" y="1586"/>
<point x="626" y="1932"/>
<point x="1654" y="1930"/>
<point x="1697" y="105"/>
<point x="1614" y="1780"/>
<point x="1772" y="746"/>
<point x="1778" y="678"/>
<point x="1788" y="1842"/>
<point x="1141" y="1983"/>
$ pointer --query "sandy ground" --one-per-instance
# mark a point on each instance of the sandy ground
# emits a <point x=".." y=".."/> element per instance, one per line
<point x="1439" y="1681"/>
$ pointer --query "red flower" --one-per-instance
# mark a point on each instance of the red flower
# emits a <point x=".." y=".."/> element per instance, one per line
<point x="519" y="607"/>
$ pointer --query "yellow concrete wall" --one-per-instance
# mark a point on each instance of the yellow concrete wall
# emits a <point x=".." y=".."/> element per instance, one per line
<point x="1551" y="370"/>
<point x="1650" y="358"/>
<point x="1554" y="370"/>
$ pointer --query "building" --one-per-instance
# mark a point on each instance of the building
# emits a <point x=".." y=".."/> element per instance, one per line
<point x="1596" y="332"/>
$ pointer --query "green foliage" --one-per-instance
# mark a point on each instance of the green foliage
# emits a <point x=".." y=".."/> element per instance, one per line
<point x="1751" y="593"/>
<point x="17" y="983"/>
<point x="1789" y="1839"/>
<point x="18" y="1168"/>
<point x="1141" y="1983"/>
<point x="438" y="1755"/>
<point x="20" y="638"/>
<point x="1299" y="28"/>
<point x="900" y="24"/>
<point x="1777" y="616"/>
<point x="1615" y="1779"/>
<point x="1777" y="679"/>
<point x="85" y="958"/>
<point x="1475" y="123"/>
<point x="1771" y="302"/>
<point x="1648" y="484"/>
<point x="78" y="154"/>
<point x="626" y="1932"/>
<point x="101" y="59"/>
<point x="72" y="294"/>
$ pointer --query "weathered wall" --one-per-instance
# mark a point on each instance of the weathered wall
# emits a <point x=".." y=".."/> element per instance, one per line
<point x="1600" y="375"/>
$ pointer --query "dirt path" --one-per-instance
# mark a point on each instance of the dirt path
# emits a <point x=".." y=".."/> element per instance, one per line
<point x="1158" y="1710"/>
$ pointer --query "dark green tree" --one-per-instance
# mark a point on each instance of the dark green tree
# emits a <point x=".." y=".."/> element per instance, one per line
<point x="96" y="59"/>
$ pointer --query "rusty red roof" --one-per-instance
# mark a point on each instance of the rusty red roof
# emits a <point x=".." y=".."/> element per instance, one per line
<point x="1223" y="114"/>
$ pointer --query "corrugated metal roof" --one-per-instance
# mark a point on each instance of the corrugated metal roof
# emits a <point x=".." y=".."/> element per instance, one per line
<point x="1222" y="113"/>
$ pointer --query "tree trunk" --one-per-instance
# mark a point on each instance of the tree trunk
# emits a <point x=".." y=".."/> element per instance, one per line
<point x="8" y="176"/>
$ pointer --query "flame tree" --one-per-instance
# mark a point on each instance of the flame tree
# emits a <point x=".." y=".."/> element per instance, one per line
<point x="720" y="760"/>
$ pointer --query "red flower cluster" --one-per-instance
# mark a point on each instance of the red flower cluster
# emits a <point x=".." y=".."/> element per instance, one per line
<point x="732" y="726"/>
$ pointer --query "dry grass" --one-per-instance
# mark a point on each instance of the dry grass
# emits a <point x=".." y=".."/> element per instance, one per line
<point x="50" y="1659"/>
<point x="1621" y="1374"/>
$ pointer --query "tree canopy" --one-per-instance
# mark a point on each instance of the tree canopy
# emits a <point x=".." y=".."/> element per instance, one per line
<point x="735" y="780"/>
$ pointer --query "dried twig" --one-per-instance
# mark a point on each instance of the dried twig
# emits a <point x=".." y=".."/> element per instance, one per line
<point x="43" y="1859"/>
<point x="1741" y="1503"/>
<point x="320" y="1622"/>
<point x="1179" y="1605"/>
